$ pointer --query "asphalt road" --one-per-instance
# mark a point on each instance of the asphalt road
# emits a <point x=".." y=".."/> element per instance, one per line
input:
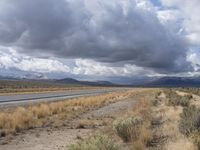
<point x="53" y="96"/>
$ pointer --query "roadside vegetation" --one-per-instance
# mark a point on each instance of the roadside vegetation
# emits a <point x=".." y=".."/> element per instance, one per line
<point x="132" y="130"/>
<point x="191" y="90"/>
<point x="96" y="142"/>
<point x="177" y="100"/>
<point x="55" y="113"/>
<point x="159" y="119"/>
<point x="166" y="121"/>
<point x="135" y="127"/>
<point x="190" y="120"/>
<point x="189" y="123"/>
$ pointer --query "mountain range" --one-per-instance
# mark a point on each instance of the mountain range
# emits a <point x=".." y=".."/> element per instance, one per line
<point x="92" y="83"/>
<point x="146" y="82"/>
<point x="174" y="82"/>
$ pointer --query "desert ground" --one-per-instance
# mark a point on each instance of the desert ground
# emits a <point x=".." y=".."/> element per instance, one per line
<point x="132" y="119"/>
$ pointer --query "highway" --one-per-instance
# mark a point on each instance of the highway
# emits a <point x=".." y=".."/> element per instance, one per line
<point x="50" y="96"/>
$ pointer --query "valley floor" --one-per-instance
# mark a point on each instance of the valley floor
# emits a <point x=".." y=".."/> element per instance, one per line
<point x="159" y="128"/>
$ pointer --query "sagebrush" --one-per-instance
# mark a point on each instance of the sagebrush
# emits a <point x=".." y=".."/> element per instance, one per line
<point x="97" y="142"/>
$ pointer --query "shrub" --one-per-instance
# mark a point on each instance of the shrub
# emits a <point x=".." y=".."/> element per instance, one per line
<point x="43" y="110"/>
<point x="190" y="120"/>
<point x="128" y="129"/>
<point x="176" y="100"/>
<point x="196" y="138"/>
<point x="158" y="94"/>
<point x="156" y="102"/>
<point x="97" y="142"/>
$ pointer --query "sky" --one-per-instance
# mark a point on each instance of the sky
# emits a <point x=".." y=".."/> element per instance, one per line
<point x="99" y="39"/>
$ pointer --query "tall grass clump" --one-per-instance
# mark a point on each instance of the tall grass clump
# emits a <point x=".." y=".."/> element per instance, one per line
<point x="97" y="142"/>
<point x="21" y="119"/>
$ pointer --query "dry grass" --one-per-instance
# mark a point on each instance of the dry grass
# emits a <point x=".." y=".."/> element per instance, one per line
<point x="149" y="126"/>
<point x="190" y="120"/>
<point x="182" y="144"/>
<point x="128" y="128"/>
<point x="134" y="127"/>
<point x="176" y="100"/>
<point x="143" y="109"/>
<point x="97" y="142"/>
<point x="179" y="119"/>
<point x="40" y="115"/>
<point x="190" y="124"/>
<point x="195" y="91"/>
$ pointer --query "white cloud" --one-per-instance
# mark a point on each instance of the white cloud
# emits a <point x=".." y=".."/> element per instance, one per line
<point x="132" y="33"/>
<point x="190" y="10"/>
<point x="10" y="59"/>
<point x="194" y="58"/>
<point x="42" y="65"/>
<point x="91" y="67"/>
<point x="109" y="31"/>
<point x="171" y="2"/>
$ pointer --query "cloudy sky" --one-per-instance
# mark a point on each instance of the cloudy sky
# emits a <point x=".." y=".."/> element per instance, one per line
<point x="97" y="39"/>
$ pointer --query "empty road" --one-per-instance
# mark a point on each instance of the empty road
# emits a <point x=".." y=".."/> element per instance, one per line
<point x="53" y="96"/>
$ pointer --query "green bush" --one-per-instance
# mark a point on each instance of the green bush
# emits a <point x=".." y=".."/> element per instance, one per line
<point x="128" y="128"/>
<point x="97" y="142"/>
<point x="190" y="120"/>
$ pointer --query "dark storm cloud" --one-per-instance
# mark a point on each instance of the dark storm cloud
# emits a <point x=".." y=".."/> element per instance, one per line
<point x="100" y="30"/>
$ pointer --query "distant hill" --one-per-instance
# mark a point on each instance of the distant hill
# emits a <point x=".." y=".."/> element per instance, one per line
<point x="91" y="83"/>
<point x="175" y="82"/>
<point x="68" y="81"/>
<point x="7" y="78"/>
<point x="135" y="82"/>
<point x="105" y="83"/>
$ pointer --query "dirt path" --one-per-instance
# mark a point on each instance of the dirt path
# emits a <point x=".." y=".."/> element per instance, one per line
<point x="79" y="128"/>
